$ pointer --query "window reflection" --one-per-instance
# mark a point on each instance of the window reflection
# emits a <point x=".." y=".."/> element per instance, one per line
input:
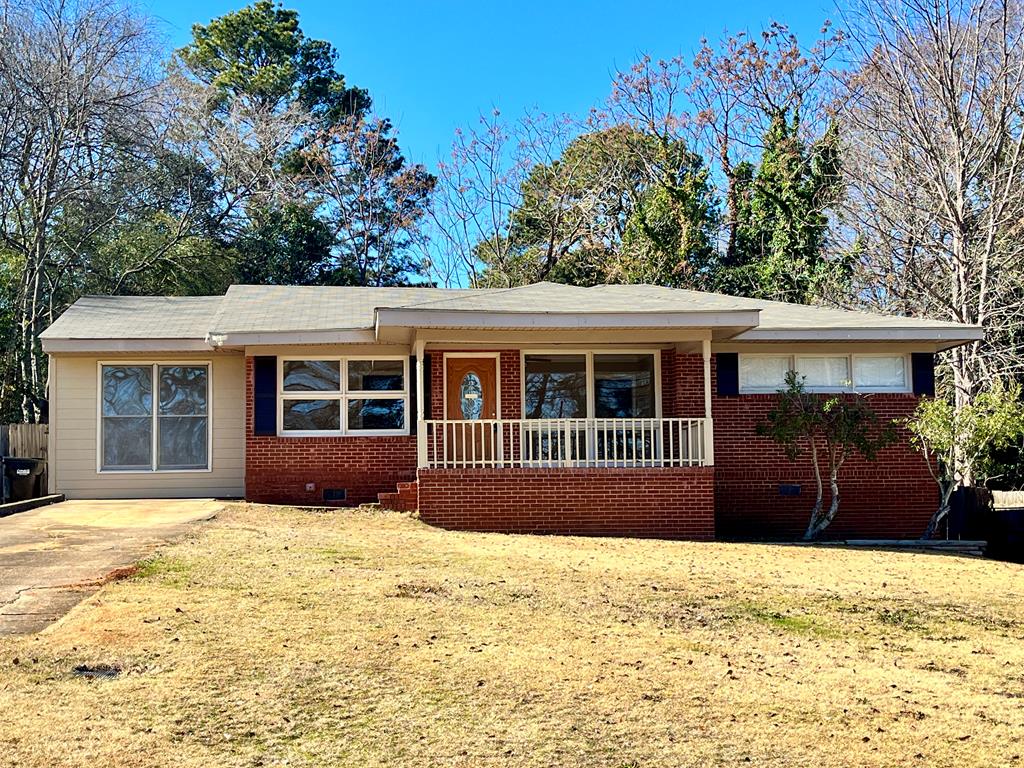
<point x="624" y="386"/>
<point x="556" y="386"/>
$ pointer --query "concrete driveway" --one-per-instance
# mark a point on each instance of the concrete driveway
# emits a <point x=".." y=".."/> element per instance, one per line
<point x="53" y="557"/>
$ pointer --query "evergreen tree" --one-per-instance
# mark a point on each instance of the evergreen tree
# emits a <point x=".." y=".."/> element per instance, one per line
<point x="260" y="54"/>
<point x="288" y="247"/>
<point x="329" y="198"/>
<point x="782" y="218"/>
<point x="618" y="206"/>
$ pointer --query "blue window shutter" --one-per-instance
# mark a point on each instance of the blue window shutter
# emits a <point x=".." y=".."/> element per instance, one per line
<point x="922" y="368"/>
<point x="727" y="364"/>
<point x="264" y="401"/>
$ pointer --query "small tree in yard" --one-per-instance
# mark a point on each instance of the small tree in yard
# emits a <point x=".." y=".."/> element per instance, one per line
<point x="831" y="428"/>
<point x="950" y="437"/>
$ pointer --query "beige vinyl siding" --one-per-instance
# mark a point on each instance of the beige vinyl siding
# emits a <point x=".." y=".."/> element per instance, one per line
<point x="74" y="429"/>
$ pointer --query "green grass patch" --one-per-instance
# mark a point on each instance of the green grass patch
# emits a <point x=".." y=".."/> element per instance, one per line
<point x="332" y="553"/>
<point x="904" y="618"/>
<point x="172" y="571"/>
<point x="796" y="623"/>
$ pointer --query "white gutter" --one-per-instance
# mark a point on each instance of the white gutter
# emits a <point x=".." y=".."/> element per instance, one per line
<point x="959" y="335"/>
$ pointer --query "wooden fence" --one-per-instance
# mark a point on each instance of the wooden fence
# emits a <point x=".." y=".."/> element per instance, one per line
<point x="29" y="441"/>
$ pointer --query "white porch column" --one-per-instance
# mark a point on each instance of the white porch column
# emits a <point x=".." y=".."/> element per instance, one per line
<point x="421" y="428"/>
<point x="709" y="429"/>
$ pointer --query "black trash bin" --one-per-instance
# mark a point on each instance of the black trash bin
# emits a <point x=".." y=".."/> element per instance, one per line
<point x="24" y="477"/>
<point x="1006" y="535"/>
<point x="970" y="513"/>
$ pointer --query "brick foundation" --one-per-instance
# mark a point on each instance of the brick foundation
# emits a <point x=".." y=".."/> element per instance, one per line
<point x="676" y="503"/>
<point x="277" y="469"/>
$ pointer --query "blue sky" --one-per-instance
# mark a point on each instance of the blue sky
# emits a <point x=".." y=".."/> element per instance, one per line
<point x="435" y="66"/>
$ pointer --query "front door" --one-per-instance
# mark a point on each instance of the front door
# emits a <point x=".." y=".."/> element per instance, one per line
<point x="471" y="396"/>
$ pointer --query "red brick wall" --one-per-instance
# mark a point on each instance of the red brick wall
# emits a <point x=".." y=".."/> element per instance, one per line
<point x="277" y="469"/>
<point x="682" y="385"/>
<point x="674" y="503"/>
<point x="891" y="497"/>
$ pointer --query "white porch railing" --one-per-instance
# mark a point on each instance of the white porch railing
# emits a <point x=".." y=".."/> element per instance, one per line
<point x="564" y="443"/>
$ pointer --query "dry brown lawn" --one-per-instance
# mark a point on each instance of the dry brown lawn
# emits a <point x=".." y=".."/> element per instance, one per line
<point x="286" y="637"/>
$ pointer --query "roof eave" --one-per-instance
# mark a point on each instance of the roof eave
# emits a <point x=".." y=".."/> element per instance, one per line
<point x="946" y="338"/>
<point x="263" y="338"/>
<point x="67" y="346"/>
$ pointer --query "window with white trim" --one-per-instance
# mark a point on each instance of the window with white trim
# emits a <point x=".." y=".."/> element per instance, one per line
<point x="764" y="373"/>
<point x="875" y="372"/>
<point x="577" y="385"/>
<point x="881" y="373"/>
<point x="824" y="373"/>
<point x="170" y="433"/>
<point x="344" y="396"/>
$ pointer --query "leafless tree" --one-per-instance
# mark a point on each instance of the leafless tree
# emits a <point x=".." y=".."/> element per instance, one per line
<point x="77" y="77"/>
<point x="741" y="84"/>
<point x="240" y="143"/>
<point x="935" y="162"/>
<point x="480" y="193"/>
<point x="721" y="104"/>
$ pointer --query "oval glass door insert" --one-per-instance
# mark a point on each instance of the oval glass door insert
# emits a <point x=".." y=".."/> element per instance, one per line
<point x="471" y="397"/>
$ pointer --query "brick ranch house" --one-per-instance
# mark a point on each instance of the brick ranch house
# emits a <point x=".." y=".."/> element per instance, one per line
<point x="624" y="410"/>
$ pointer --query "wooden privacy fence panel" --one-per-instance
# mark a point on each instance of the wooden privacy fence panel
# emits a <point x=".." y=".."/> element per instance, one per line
<point x="30" y="441"/>
<point x="25" y="440"/>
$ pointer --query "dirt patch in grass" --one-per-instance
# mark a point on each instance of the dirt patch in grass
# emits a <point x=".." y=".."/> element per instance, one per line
<point x="282" y="636"/>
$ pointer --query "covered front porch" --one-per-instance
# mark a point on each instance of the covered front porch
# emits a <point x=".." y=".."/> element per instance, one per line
<point x="576" y="438"/>
<point x="603" y="406"/>
<point x="541" y="443"/>
<point x="573" y="420"/>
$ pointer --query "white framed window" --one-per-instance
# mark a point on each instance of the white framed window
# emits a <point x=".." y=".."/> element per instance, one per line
<point x="577" y="384"/>
<point x="868" y="372"/>
<point x="881" y="373"/>
<point x="764" y="373"/>
<point x="824" y="373"/>
<point x="154" y="417"/>
<point x="326" y="396"/>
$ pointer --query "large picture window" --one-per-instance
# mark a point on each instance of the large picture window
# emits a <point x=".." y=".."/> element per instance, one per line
<point x="624" y="386"/>
<point x="344" y="396"/>
<point x="154" y="417"/>
<point x="555" y="386"/>
<point x="580" y="385"/>
<point x="826" y="373"/>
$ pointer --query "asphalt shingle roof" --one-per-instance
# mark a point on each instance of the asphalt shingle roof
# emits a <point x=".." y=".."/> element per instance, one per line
<point x="136" y="317"/>
<point x="267" y="309"/>
<point x="552" y="297"/>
